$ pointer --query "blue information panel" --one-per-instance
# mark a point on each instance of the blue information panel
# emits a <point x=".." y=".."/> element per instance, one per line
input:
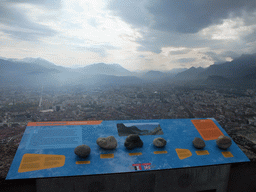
<point x="47" y="148"/>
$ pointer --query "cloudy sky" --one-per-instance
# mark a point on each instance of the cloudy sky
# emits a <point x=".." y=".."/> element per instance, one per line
<point x="137" y="34"/>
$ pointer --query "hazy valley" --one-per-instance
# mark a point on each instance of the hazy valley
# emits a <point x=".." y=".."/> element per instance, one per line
<point x="37" y="90"/>
<point x="34" y="72"/>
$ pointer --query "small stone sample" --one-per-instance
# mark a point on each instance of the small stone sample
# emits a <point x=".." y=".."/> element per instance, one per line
<point x="82" y="150"/>
<point x="198" y="143"/>
<point x="133" y="141"/>
<point x="107" y="142"/>
<point x="223" y="142"/>
<point x="159" y="142"/>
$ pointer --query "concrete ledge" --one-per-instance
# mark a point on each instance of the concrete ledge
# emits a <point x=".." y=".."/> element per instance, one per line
<point x="183" y="180"/>
<point x="241" y="178"/>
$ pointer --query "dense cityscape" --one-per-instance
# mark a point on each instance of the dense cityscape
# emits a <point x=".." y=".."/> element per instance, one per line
<point x="233" y="109"/>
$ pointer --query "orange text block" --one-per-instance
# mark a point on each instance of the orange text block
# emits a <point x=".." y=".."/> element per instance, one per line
<point x="33" y="162"/>
<point x="207" y="129"/>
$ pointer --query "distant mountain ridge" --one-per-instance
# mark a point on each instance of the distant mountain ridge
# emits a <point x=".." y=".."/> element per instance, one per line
<point x="239" y="72"/>
<point x="36" y="71"/>
<point x="106" y="69"/>
<point x="41" y="62"/>
<point x="191" y="73"/>
<point x="236" y="68"/>
<point x="154" y="75"/>
<point x="19" y="73"/>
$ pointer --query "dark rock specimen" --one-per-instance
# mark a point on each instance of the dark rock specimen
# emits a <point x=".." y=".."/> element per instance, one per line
<point x="198" y="143"/>
<point x="82" y="150"/>
<point x="107" y="142"/>
<point x="133" y="141"/>
<point x="223" y="142"/>
<point x="159" y="142"/>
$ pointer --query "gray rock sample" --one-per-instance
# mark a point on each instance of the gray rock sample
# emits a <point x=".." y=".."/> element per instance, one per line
<point x="107" y="142"/>
<point x="133" y="141"/>
<point x="159" y="142"/>
<point x="198" y="143"/>
<point x="223" y="142"/>
<point x="82" y="150"/>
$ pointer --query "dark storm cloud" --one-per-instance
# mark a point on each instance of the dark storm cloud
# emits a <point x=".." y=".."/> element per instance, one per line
<point x="100" y="49"/>
<point x="132" y="11"/>
<point x="184" y="16"/>
<point x="17" y="23"/>
<point x="155" y="40"/>
<point x="176" y="23"/>
<point x="188" y="16"/>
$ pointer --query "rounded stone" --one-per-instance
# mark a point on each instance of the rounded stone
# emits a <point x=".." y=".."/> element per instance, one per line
<point x="223" y="142"/>
<point x="107" y="142"/>
<point x="133" y="141"/>
<point x="198" y="143"/>
<point x="82" y="150"/>
<point x="159" y="142"/>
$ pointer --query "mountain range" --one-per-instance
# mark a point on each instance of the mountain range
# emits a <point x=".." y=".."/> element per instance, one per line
<point x="239" y="73"/>
<point x="37" y="71"/>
